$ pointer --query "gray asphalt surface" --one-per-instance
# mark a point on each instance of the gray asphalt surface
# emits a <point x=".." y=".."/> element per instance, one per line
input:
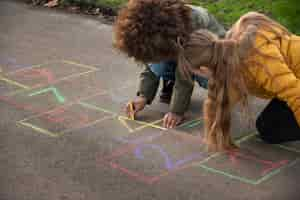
<point x="63" y="134"/>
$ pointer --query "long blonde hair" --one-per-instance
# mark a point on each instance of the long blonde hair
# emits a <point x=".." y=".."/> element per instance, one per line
<point x="226" y="59"/>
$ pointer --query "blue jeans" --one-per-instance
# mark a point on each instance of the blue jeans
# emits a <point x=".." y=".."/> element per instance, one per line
<point x="166" y="71"/>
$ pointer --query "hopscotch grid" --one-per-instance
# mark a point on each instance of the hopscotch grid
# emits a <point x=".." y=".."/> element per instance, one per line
<point x="152" y="179"/>
<point x="63" y="106"/>
<point x="78" y="101"/>
<point x="151" y="124"/>
<point x="54" y="82"/>
<point x="145" y="178"/>
<point x="72" y="76"/>
<point x="47" y="132"/>
<point x="22" y="122"/>
<point x="240" y="178"/>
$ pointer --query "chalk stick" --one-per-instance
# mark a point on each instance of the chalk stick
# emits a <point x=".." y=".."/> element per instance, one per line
<point x="131" y="111"/>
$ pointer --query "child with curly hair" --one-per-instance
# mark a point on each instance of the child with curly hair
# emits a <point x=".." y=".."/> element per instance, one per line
<point x="149" y="31"/>
<point x="259" y="57"/>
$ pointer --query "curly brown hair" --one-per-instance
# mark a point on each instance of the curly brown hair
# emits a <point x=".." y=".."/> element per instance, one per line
<point x="148" y="30"/>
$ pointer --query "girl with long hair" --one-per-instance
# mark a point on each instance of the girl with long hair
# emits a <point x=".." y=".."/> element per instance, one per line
<point x="258" y="57"/>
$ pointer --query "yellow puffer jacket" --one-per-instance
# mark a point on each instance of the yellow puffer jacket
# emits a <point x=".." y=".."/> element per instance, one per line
<point x="279" y="77"/>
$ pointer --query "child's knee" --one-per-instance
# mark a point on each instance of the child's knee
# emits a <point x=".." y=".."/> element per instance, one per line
<point x="265" y="132"/>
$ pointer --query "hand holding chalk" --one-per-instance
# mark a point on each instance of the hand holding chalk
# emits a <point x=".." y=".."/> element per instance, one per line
<point x="135" y="106"/>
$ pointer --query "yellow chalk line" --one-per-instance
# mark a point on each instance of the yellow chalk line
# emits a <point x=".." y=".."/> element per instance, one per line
<point x="122" y="121"/>
<point x="38" y="129"/>
<point x="79" y="64"/>
<point x="143" y="123"/>
<point x="147" y="125"/>
<point x="14" y="83"/>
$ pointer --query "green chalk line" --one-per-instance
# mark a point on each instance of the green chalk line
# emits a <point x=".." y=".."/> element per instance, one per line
<point x="288" y="148"/>
<point x="58" y="96"/>
<point x="292" y="149"/>
<point x="245" y="180"/>
<point x="190" y="124"/>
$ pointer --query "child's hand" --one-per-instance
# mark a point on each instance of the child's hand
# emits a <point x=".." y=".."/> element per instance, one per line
<point x="137" y="105"/>
<point x="171" y="120"/>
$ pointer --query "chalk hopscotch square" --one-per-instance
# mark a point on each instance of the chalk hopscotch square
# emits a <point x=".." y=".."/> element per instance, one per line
<point x="151" y="160"/>
<point x="48" y="73"/>
<point x="47" y="100"/>
<point x="113" y="138"/>
<point x="63" y="93"/>
<point x="254" y="163"/>
<point x="63" y="120"/>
